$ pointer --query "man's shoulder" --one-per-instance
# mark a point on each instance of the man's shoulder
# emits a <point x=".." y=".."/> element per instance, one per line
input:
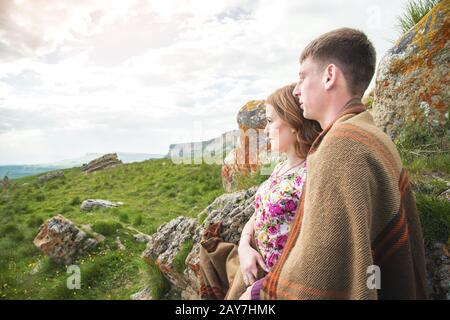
<point x="358" y="136"/>
<point x="362" y="129"/>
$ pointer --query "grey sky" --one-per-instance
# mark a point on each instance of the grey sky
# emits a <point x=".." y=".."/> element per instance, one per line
<point x="136" y="76"/>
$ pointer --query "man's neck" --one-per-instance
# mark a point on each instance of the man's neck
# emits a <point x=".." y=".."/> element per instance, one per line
<point x="334" y="109"/>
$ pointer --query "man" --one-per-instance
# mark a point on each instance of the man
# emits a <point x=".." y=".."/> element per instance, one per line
<point x="356" y="234"/>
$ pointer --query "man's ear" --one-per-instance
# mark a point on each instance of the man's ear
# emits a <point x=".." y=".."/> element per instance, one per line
<point x="330" y="76"/>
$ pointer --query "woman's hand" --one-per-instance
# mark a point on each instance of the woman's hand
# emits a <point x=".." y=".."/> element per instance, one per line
<point x="248" y="258"/>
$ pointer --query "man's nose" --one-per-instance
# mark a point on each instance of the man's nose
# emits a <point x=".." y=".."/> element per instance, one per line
<point x="296" y="91"/>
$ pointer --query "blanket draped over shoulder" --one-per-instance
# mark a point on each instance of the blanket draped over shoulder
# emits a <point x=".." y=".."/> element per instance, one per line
<point x="356" y="234"/>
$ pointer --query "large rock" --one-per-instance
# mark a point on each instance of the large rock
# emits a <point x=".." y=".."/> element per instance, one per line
<point x="231" y="210"/>
<point x="413" y="77"/>
<point x="252" y="151"/>
<point x="50" y="176"/>
<point x="166" y="243"/>
<point x="89" y="204"/>
<point x="106" y="161"/>
<point x="61" y="240"/>
<point x="438" y="267"/>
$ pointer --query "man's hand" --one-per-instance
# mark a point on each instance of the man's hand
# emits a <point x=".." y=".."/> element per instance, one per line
<point x="247" y="295"/>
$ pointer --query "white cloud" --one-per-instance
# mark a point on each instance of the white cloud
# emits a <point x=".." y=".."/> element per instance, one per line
<point x="79" y="76"/>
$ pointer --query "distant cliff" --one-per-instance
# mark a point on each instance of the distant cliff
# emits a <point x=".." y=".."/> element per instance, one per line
<point x="215" y="149"/>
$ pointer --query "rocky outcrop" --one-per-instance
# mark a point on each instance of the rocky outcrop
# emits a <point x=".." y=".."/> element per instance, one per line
<point x="232" y="211"/>
<point x="166" y="243"/>
<point x="107" y="161"/>
<point x="61" y="240"/>
<point x="413" y="77"/>
<point x="89" y="204"/>
<point x="438" y="268"/>
<point x="252" y="150"/>
<point x="50" y="176"/>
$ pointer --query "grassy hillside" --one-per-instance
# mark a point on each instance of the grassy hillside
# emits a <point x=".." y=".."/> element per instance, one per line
<point x="154" y="192"/>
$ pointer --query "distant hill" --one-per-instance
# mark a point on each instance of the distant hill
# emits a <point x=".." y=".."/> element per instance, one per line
<point x="19" y="171"/>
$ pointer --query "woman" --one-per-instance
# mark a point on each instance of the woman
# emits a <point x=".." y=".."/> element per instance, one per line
<point x="277" y="198"/>
<point x="276" y="201"/>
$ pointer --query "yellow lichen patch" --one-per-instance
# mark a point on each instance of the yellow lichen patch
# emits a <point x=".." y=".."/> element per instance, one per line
<point x="427" y="45"/>
<point x="251" y="105"/>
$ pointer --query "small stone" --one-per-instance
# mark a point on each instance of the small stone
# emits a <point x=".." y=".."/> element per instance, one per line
<point x="89" y="204"/>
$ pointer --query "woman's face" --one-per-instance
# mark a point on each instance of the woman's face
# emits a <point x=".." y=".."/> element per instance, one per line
<point x="280" y="134"/>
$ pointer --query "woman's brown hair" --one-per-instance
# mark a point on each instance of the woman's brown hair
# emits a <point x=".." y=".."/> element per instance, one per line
<point x="288" y="109"/>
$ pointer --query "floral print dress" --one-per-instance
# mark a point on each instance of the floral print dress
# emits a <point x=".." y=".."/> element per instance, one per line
<point x="276" y="202"/>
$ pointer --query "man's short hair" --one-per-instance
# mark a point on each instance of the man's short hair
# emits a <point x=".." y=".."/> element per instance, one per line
<point x="351" y="51"/>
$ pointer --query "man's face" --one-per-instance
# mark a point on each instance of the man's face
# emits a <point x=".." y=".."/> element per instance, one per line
<point x="310" y="90"/>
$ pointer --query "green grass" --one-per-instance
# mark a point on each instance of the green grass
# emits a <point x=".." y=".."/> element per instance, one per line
<point x="107" y="227"/>
<point x="426" y="157"/>
<point x="415" y="10"/>
<point x="244" y="182"/>
<point x="435" y="218"/>
<point x="153" y="192"/>
<point x="179" y="260"/>
<point x="160" y="285"/>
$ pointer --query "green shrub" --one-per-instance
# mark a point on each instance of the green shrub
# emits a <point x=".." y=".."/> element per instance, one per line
<point x="35" y="222"/>
<point x="138" y="220"/>
<point x="429" y="147"/>
<point x="8" y="228"/>
<point x="179" y="260"/>
<point x="106" y="227"/>
<point x="75" y="201"/>
<point x="124" y="217"/>
<point x="65" y="209"/>
<point x="193" y="190"/>
<point x="20" y="208"/>
<point x="172" y="194"/>
<point x="12" y="231"/>
<point x="435" y="217"/>
<point x="415" y="10"/>
<point x="40" y="197"/>
<point x="159" y="285"/>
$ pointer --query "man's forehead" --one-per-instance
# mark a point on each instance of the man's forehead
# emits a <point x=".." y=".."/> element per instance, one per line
<point x="306" y="65"/>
